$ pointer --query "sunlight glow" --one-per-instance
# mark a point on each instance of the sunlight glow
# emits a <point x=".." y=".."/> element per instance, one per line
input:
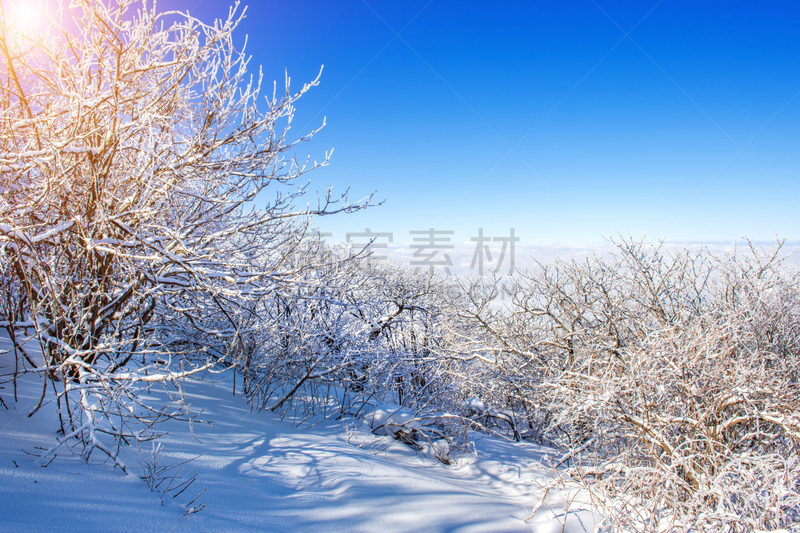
<point x="24" y="15"/>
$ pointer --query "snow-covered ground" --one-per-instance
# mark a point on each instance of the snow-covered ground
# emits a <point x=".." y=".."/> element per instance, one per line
<point x="264" y="474"/>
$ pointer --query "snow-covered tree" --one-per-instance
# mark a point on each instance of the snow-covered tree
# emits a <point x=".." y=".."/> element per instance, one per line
<point x="135" y="221"/>
<point x="669" y="378"/>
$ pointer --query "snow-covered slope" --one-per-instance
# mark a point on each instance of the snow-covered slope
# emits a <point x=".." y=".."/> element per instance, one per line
<point x="264" y="474"/>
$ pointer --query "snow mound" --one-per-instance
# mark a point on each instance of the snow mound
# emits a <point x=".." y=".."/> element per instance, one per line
<point x="388" y="419"/>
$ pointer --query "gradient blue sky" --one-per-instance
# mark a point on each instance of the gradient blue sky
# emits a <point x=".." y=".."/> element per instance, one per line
<point x="568" y="121"/>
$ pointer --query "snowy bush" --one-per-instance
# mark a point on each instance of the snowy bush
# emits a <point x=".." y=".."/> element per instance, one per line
<point x="670" y="381"/>
<point x="133" y="150"/>
<point x="353" y="333"/>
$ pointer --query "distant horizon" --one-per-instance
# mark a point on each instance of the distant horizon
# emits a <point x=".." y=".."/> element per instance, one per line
<point x="461" y="259"/>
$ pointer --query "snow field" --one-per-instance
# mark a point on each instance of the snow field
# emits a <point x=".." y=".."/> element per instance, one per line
<point x="264" y="474"/>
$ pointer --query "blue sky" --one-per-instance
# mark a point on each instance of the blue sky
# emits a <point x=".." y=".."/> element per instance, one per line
<point x="568" y="121"/>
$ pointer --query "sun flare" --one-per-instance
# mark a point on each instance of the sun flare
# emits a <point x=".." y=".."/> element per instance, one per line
<point x="23" y="15"/>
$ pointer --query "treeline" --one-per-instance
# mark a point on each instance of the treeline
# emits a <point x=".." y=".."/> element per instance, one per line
<point x="668" y="378"/>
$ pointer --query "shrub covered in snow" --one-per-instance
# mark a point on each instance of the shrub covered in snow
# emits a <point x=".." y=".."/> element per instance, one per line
<point x="670" y="381"/>
<point x="133" y="149"/>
